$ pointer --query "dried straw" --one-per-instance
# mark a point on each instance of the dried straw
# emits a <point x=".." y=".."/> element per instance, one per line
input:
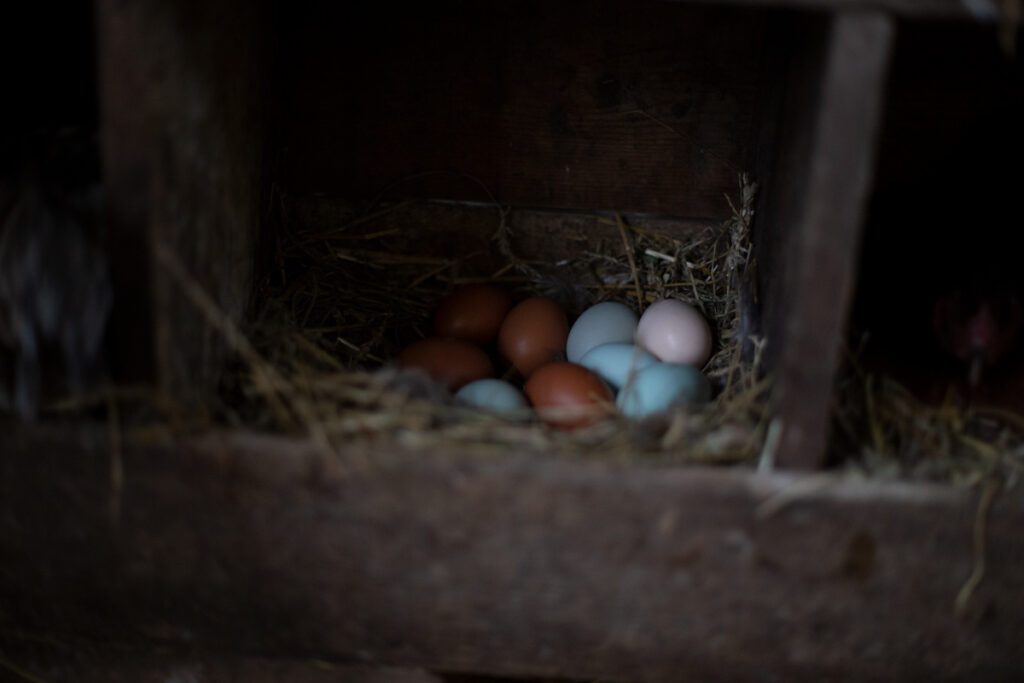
<point x="884" y="431"/>
<point x="345" y="302"/>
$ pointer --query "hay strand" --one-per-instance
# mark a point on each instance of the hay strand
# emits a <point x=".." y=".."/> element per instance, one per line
<point x="988" y="495"/>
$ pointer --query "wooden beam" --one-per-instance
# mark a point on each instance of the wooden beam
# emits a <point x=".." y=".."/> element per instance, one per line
<point x="514" y="565"/>
<point x="812" y="213"/>
<point x="187" y="113"/>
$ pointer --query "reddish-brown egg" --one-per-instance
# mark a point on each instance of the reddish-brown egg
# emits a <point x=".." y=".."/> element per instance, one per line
<point x="452" y="361"/>
<point x="533" y="334"/>
<point x="568" y="395"/>
<point x="473" y="313"/>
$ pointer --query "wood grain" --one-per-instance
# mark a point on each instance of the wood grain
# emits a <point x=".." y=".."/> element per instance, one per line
<point x="514" y="565"/>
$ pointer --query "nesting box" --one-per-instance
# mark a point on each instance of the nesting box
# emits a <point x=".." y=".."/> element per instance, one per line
<point x="223" y="124"/>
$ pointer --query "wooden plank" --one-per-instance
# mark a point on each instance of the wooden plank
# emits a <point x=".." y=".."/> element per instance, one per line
<point x="512" y="565"/>
<point x="186" y="101"/>
<point x="810" y="231"/>
<point x="572" y="105"/>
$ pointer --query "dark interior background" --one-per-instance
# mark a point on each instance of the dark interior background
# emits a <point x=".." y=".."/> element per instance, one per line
<point x="946" y="210"/>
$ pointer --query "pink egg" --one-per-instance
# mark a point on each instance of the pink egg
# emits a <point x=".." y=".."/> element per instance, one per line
<point x="675" y="332"/>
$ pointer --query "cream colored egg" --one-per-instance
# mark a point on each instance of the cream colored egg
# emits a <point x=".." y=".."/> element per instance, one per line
<point x="675" y="332"/>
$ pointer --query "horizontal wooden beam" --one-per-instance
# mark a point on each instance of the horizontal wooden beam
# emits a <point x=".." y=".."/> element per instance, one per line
<point x="518" y="565"/>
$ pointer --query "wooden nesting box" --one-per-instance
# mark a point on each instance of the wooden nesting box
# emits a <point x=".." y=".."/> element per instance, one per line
<point x="237" y="554"/>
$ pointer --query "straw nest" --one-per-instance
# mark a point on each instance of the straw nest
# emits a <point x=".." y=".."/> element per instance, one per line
<point x="344" y="301"/>
<point x="883" y="430"/>
<point x="316" y="360"/>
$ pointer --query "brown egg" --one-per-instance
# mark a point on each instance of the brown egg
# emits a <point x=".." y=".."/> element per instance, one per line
<point x="473" y="313"/>
<point x="568" y="395"/>
<point x="452" y="361"/>
<point x="533" y="334"/>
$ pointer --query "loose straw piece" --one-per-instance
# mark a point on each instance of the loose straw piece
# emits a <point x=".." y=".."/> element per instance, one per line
<point x="276" y="387"/>
<point x="988" y="494"/>
<point x="657" y="254"/>
<point x="632" y="261"/>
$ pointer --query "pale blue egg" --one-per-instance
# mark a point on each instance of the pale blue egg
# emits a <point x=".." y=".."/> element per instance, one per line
<point x="616" y="363"/>
<point x="493" y="394"/>
<point x="658" y="387"/>
<point x="603" y="323"/>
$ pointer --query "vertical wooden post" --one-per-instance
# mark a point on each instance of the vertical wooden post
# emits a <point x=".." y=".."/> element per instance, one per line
<point x="812" y="226"/>
<point x="187" y="107"/>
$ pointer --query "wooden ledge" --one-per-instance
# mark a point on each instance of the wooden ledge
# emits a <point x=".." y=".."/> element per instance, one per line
<point x="520" y="565"/>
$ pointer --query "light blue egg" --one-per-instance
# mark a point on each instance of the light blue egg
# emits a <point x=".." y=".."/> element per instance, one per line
<point x="604" y="323"/>
<point x="492" y="394"/>
<point x="616" y="363"/>
<point x="657" y="388"/>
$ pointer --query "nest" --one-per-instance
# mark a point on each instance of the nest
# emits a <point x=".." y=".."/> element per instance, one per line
<point x="316" y="359"/>
<point x="883" y="430"/>
<point x="346" y="300"/>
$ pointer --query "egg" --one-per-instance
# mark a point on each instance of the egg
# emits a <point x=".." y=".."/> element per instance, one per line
<point x="617" y="363"/>
<point x="568" y="395"/>
<point x="493" y="394"/>
<point x="451" y="361"/>
<point x="533" y="333"/>
<point x="473" y="313"/>
<point x="604" y="323"/>
<point x="658" y="387"/>
<point x="675" y="332"/>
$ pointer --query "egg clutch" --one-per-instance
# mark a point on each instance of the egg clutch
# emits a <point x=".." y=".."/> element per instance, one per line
<point x="609" y="359"/>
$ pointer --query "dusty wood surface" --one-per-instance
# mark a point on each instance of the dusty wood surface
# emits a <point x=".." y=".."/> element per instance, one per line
<point x="580" y="105"/>
<point x="810" y="232"/>
<point x="186" y="108"/>
<point x="515" y="565"/>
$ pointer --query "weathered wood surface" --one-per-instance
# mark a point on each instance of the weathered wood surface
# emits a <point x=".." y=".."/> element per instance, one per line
<point x="573" y="105"/>
<point x="186" y="100"/>
<point x="523" y="565"/>
<point x="810" y="224"/>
